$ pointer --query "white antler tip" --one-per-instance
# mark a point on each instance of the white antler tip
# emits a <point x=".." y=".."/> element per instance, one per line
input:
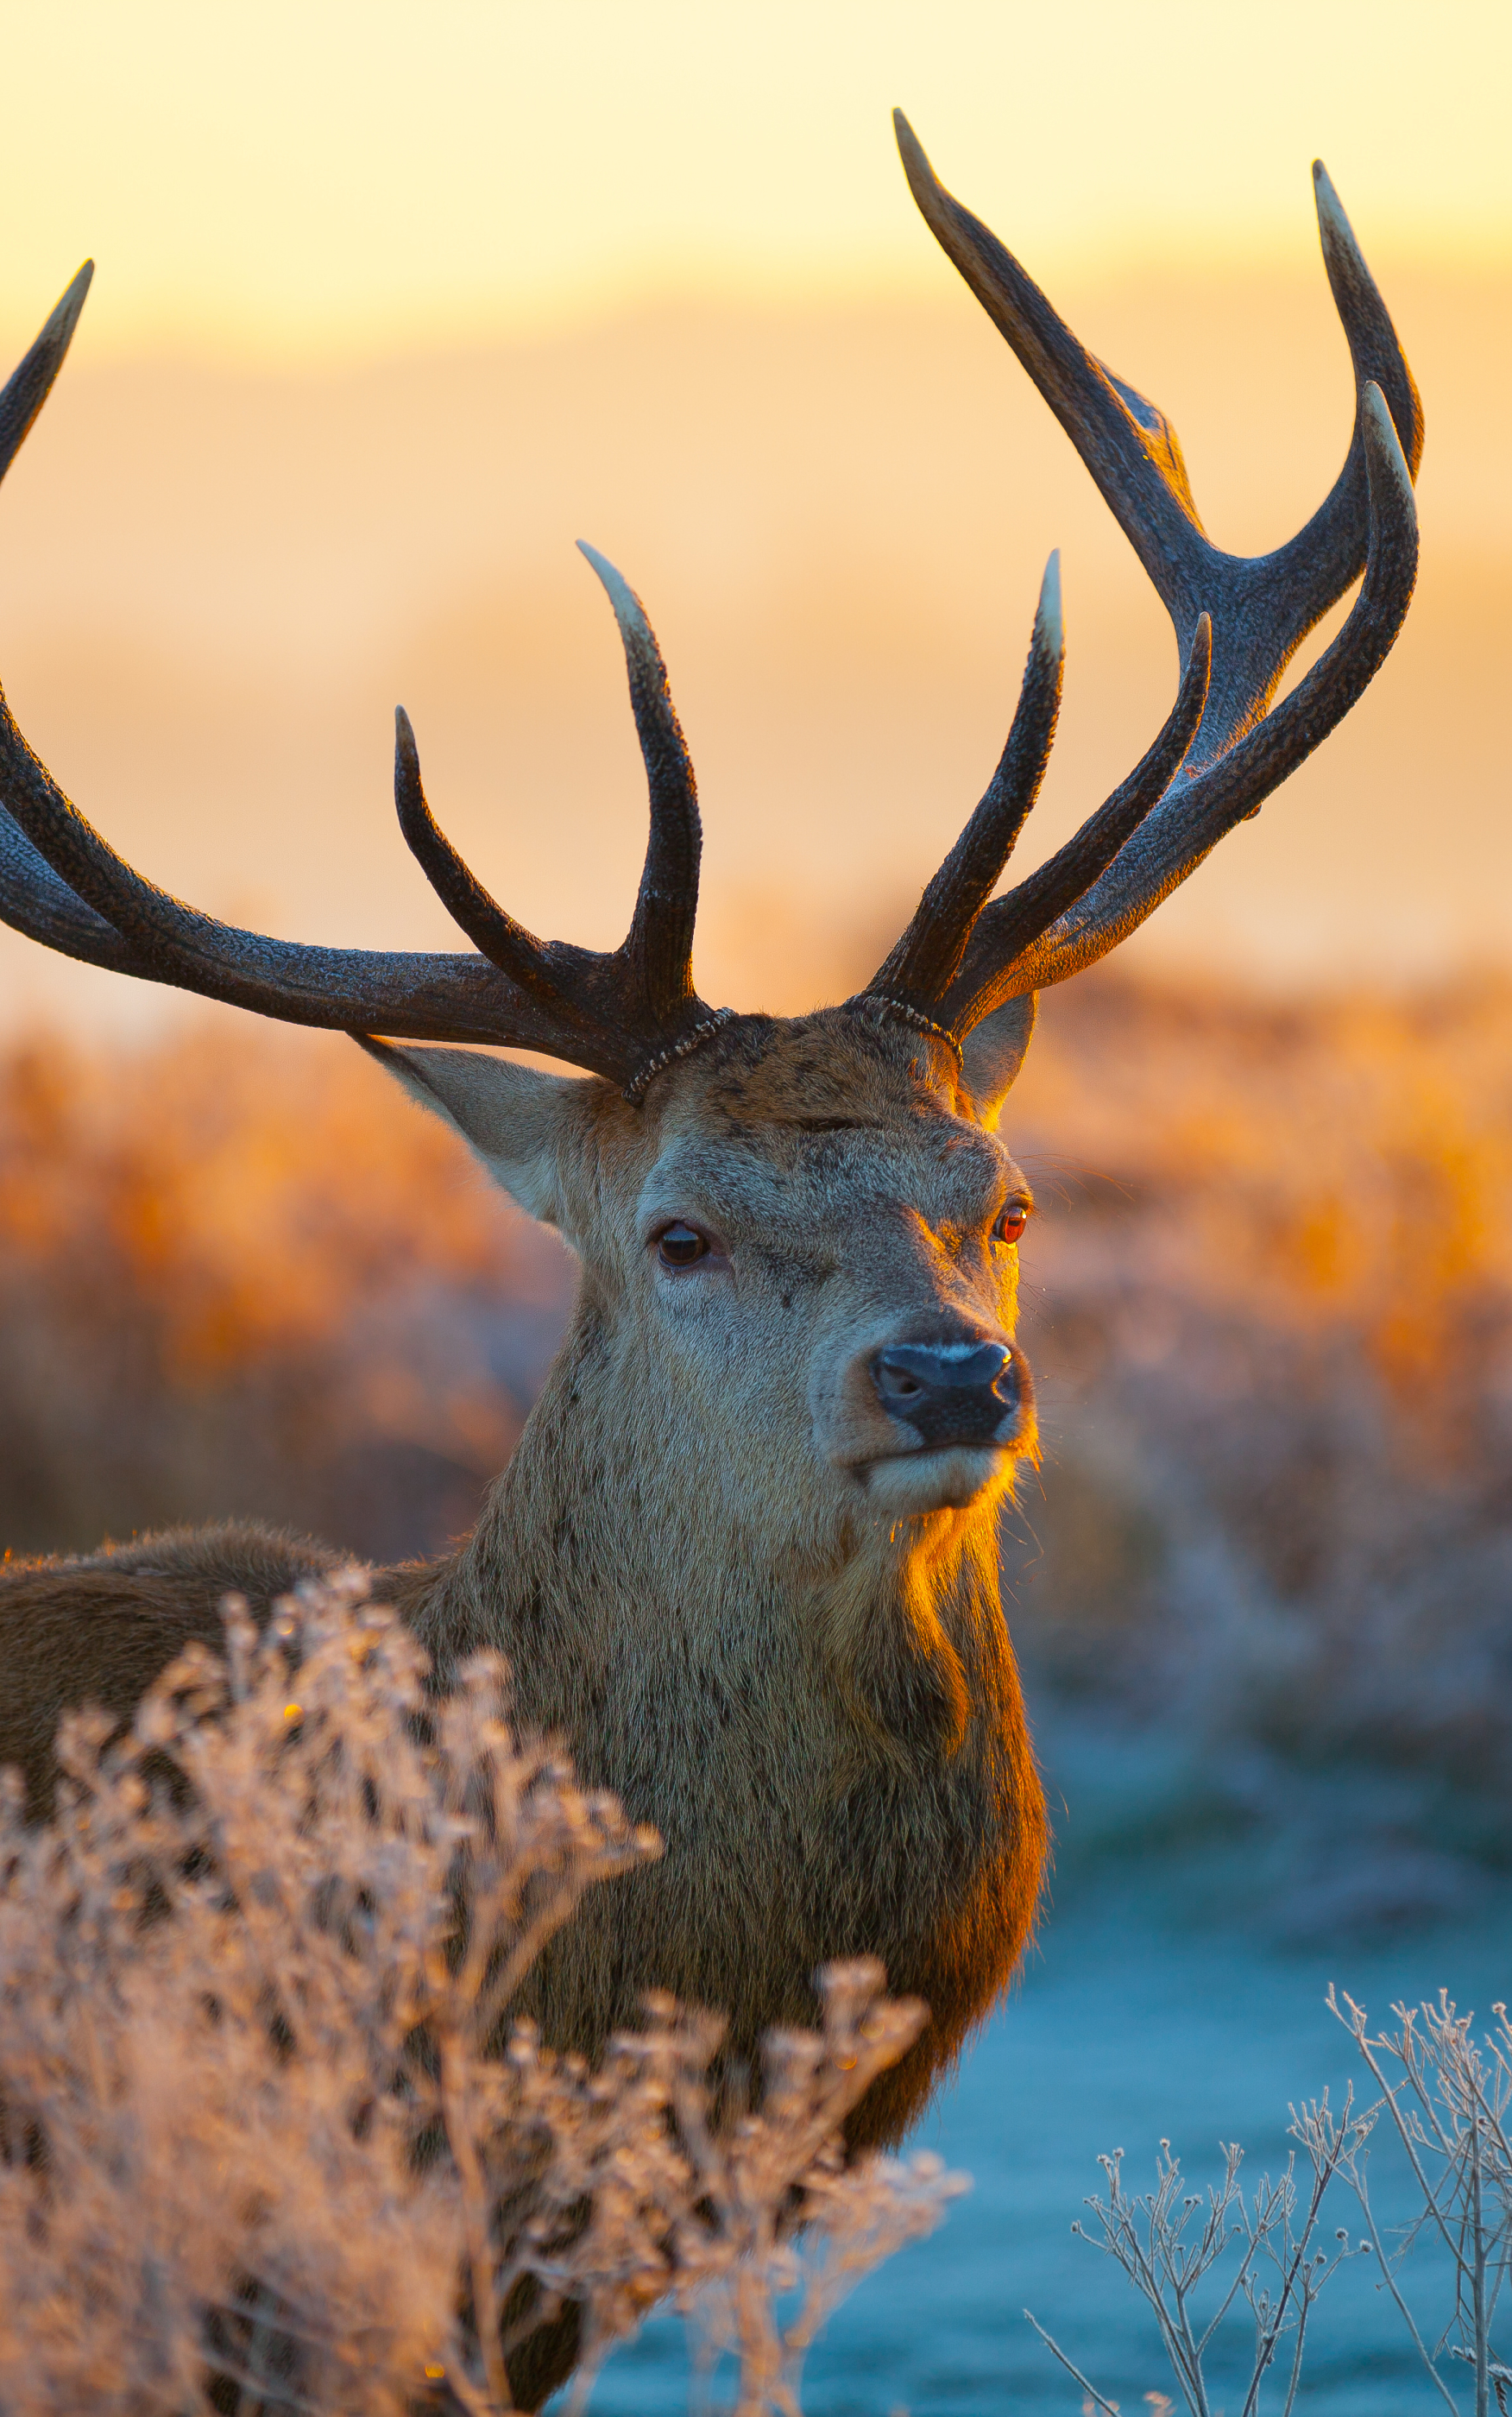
<point x="1050" y="621"/>
<point x="616" y="586"/>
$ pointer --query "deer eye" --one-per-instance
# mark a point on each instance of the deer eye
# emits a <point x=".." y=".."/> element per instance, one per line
<point x="1012" y="1222"/>
<point x="679" y="1246"/>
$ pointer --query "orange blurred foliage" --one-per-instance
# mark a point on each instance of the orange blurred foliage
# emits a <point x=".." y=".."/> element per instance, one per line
<point x="1269" y="1302"/>
<point x="1268" y="1298"/>
<point x="243" y="1275"/>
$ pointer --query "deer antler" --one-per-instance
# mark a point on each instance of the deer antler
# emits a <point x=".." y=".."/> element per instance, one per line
<point x="961" y="958"/>
<point x="627" y="1014"/>
<point x="622" y="1015"/>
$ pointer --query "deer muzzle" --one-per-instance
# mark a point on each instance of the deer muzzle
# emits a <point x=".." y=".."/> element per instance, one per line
<point x="950" y="1392"/>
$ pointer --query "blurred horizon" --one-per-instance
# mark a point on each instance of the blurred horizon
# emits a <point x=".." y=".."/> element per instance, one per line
<point x="341" y="180"/>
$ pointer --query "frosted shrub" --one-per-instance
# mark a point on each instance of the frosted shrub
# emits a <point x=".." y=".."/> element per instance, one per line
<point x="1447" y="2098"/>
<point x="1187" y="2253"/>
<point x="267" y="2139"/>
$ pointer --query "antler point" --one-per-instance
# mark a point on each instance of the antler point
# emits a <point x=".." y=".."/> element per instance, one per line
<point x="914" y="158"/>
<point x="1332" y="217"/>
<point x="1386" y="451"/>
<point x="622" y="596"/>
<point x="1049" y="620"/>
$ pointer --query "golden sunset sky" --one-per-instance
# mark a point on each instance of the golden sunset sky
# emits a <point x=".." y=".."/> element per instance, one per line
<point x="397" y="298"/>
<point x="358" y="175"/>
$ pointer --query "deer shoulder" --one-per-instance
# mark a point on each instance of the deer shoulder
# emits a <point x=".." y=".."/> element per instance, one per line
<point x="99" y="1628"/>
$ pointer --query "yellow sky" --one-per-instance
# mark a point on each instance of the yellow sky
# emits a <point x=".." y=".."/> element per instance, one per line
<point x="337" y="176"/>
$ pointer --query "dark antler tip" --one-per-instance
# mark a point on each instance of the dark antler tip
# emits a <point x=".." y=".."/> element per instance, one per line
<point x="914" y="158"/>
<point x="409" y="794"/>
<point x="1384" y="447"/>
<point x="64" y="317"/>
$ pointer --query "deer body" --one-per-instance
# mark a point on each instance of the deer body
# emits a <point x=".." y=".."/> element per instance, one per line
<point x="744" y="1559"/>
<point x="771" y="1634"/>
<point x="696" y="1566"/>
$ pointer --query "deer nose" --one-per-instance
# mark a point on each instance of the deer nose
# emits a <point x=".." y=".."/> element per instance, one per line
<point x="947" y="1392"/>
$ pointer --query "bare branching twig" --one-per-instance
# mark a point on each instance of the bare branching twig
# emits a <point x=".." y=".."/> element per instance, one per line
<point x="1176" y="2245"/>
<point x="269" y="2138"/>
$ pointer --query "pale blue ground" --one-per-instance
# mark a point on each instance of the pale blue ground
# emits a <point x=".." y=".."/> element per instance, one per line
<point x="1159" y="2002"/>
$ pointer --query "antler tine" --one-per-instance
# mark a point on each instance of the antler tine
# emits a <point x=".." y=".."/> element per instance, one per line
<point x="1262" y="606"/>
<point x="1132" y="452"/>
<point x="624" y="1015"/>
<point x="1220" y="756"/>
<point x="1194" y="814"/>
<point x="659" y="944"/>
<point x="35" y="901"/>
<point x="31" y="896"/>
<point x="919" y="970"/>
<point x="30" y="382"/>
<point x="1312" y="570"/>
<point x="409" y="995"/>
<point x="506" y="943"/>
<point x="1009" y="926"/>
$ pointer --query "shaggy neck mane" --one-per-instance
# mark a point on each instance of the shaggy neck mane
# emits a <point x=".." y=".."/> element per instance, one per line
<point x="834" y="1698"/>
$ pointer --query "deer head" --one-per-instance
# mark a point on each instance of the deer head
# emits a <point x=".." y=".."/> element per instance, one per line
<point x="798" y="1236"/>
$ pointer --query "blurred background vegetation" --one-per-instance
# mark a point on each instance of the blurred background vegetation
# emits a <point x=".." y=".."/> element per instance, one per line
<point x="1268" y="1298"/>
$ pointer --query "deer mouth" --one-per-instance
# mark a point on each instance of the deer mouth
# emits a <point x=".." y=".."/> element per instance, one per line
<point x="948" y="1477"/>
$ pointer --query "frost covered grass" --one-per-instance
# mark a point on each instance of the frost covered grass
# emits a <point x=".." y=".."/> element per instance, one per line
<point x="268" y="2138"/>
<point x="1445" y="2096"/>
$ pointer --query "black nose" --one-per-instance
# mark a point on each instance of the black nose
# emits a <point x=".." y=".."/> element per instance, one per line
<point x="949" y="1393"/>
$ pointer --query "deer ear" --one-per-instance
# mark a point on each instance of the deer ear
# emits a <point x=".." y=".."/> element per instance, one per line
<point x="992" y="1052"/>
<point x="516" y="1118"/>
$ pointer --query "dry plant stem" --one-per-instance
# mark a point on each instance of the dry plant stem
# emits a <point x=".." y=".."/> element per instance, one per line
<point x="261" y="2133"/>
<point x="1108" y="2408"/>
<point x="1451" y="2103"/>
<point x="1361" y="2190"/>
<point x="475" y="2215"/>
<point x="1147" y="2236"/>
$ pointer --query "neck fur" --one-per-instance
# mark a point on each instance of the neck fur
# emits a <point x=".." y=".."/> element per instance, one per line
<point x="819" y="1714"/>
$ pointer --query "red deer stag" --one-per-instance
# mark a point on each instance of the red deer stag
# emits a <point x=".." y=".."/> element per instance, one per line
<point x="745" y="1557"/>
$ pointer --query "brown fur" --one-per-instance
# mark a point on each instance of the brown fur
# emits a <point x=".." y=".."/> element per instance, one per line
<point x="99" y="1630"/>
<point x="753" y="1605"/>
